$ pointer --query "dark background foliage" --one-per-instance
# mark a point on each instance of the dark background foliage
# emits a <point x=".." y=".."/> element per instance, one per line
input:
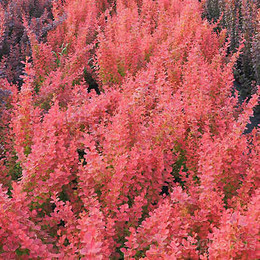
<point x="14" y="44"/>
<point x="242" y="22"/>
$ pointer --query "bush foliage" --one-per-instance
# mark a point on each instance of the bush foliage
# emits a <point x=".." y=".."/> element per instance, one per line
<point x="154" y="164"/>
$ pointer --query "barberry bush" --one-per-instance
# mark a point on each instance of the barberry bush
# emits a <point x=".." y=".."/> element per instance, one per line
<point x="126" y="139"/>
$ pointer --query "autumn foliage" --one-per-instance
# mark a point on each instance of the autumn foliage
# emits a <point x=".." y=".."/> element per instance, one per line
<point x="154" y="164"/>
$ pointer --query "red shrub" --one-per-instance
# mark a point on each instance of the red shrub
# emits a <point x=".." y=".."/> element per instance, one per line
<point x="155" y="167"/>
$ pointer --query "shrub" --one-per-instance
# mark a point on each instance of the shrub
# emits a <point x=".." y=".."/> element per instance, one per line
<point x="155" y="167"/>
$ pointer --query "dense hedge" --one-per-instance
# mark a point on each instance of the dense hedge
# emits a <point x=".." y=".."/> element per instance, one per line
<point x="124" y="138"/>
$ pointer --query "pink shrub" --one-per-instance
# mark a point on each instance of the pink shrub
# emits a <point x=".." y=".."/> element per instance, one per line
<point x="155" y="167"/>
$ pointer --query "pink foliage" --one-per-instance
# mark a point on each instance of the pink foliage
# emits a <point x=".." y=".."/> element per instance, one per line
<point x="155" y="167"/>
